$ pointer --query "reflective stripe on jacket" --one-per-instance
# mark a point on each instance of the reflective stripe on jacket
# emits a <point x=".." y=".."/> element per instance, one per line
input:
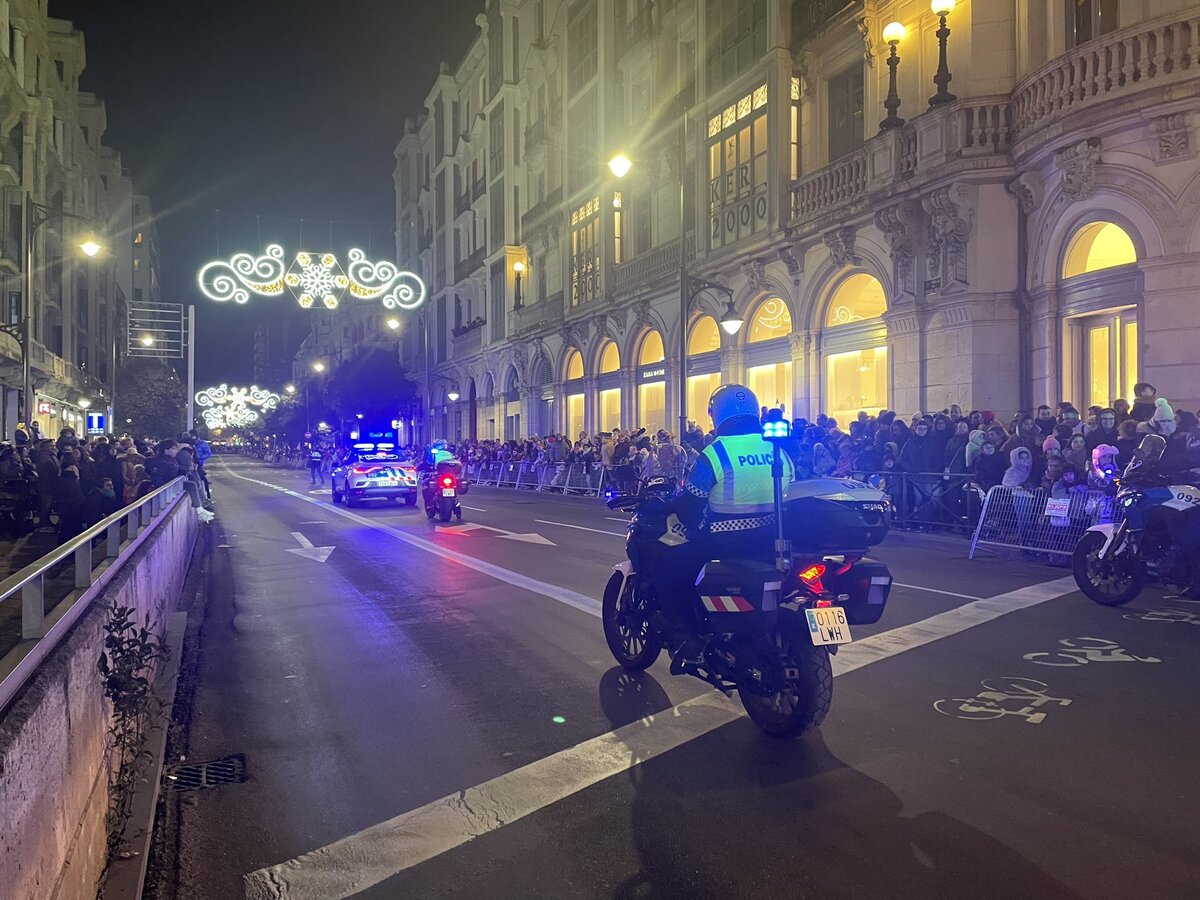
<point x="743" y="492"/>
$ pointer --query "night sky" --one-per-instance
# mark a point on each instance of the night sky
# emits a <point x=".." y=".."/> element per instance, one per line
<point x="271" y="112"/>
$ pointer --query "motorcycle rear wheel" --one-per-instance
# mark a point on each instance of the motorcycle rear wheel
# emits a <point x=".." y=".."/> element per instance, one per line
<point x="447" y="509"/>
<point x="804" y="701"/>
<point x="1105" y="582"/>
<point x="635" y="648"/>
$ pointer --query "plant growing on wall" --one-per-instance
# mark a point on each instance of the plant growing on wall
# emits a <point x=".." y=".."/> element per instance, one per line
<point x="127" y="666"/>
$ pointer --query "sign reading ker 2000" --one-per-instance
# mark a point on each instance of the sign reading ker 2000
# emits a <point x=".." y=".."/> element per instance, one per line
<point x="311" y="277"/>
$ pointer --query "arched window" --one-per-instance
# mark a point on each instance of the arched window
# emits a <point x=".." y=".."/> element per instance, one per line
<point x="574" y="367"/>
<point x="652" y="350"/>
<point x="770" y="320"/>
<point x="860" y="297"/>
<point x="705" y="337"/>
<point x="610" y="358"/>
<point x="1100" y="245"/>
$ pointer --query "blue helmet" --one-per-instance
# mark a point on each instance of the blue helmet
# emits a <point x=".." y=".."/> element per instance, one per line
<point x="730" y="401"/>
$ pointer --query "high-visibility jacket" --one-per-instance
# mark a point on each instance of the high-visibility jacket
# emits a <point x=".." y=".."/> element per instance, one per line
<point x="743" y="493"/>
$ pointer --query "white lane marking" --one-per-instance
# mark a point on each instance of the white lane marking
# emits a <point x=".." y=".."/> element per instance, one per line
<point x="563" y="595"/>
<point x="383" y="851"/>
<point x="308" y="551"/>
<point x="472" y="508"/>
<point x="615" y="519"/>
<point x="619" y="534"/>
<point x="531" y="537"/>
<point x="929" y="590"/>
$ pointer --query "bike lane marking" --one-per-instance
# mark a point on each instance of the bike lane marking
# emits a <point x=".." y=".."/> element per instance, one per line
<point x="383" y="851"/>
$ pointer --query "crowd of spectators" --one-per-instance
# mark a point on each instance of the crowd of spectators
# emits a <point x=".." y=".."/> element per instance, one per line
<point x="67" y="484"/>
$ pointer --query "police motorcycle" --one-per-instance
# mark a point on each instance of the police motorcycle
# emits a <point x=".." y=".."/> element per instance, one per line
<point x="769" y="630"/>
<point x="1113" y="561"/>
<point x="442" y="483"/>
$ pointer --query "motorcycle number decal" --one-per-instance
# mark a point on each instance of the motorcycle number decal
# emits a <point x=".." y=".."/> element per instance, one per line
<point x="1184" y="497"/>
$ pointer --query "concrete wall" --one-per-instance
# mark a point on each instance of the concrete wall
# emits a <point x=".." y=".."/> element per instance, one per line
<point x="53" y="772"/>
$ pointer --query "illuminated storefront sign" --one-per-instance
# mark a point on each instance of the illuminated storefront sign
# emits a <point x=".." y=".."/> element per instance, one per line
<point x="311" y="277"/>
<point x="737" y="169"/>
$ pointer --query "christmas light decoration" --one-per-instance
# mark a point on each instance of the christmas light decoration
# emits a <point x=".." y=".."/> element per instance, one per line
<point x="311" y="277"/>
<point x="226" y="407"/>
<point x="383" y="279"/>
<point x="242" y="274"/>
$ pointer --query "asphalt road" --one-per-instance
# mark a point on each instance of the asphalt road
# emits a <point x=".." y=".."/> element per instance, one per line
<point x="429" y="712"/>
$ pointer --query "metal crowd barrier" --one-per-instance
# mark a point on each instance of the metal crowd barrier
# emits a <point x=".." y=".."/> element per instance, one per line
<point x="584" y="479"/>
<point x="1021" y="519"/>
<point x="934" y="500"/>
<point x="44" y="618"/>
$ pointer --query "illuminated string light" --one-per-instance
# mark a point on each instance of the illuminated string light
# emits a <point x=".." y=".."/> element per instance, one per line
<point x="226" y="407"/>
<point x="383" y="279"/>
<point x="311" y="277"/>
<point x="242" y="275"/>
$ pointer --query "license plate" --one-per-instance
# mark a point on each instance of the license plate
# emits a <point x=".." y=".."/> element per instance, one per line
<point x="828" y="625"/>
<point x="447" y="492"/>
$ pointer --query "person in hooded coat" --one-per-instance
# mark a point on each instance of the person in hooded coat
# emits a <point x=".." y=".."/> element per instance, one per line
<point x="975" y="441"/>
<point x="956" y="449"/>
<point x="1161" y="422"/>
<point x="989" y="466"/>
<point x="1127" y="442"/>
<point x="1077" y="454"/>
<point x="1020" y="469"/>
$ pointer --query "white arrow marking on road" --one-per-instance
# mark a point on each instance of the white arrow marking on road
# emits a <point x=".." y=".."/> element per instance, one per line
<point x="308" y="551"/>
<point x="531" y="537"/>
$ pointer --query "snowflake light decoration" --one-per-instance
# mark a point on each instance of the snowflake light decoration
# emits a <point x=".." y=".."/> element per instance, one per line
<point x="226" y="407"/>
<point x="313" y="278"/>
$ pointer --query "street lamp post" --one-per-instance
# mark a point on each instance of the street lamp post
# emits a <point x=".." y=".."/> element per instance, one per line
<point x="893" y="33"/>
<point x="941" y="9"/>
<point x="620" y="165"/>
<point x="35" y="216"/>
<point x="518" y="271"/>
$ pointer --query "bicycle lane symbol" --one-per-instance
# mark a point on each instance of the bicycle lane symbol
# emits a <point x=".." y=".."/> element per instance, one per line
<point x="1164" y="614"/>
<point x="1000" y="697"/>
<point x="1083" y="650"/>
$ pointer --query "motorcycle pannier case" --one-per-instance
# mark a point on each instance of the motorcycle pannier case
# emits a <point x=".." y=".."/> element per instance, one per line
<point x="739" y="596"/>
<point x="867" y="584"/>
<point x="821" y="525"/>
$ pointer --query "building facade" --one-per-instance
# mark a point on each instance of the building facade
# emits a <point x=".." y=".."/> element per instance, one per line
<point x="52" y="156"/>
<point x="1030" y="233"/>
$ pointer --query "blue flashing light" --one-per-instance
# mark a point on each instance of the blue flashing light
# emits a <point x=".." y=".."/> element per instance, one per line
<point x="776" y="430"/>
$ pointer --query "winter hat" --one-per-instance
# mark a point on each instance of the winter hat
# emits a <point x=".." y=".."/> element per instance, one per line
<point x="1051" y="443"/>
<point x="1099" y="454"/>
<point x="1163" y="412"/>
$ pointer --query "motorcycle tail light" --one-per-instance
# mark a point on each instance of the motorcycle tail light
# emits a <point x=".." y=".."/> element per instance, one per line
<point x="447" y="481"/>
<point x="812" y="575"/>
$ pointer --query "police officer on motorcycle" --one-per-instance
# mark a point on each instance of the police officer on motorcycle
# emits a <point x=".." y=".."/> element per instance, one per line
<point x="727" y="508"/>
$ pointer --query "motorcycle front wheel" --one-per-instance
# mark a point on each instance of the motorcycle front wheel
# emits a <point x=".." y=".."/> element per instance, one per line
<point x="807" y="692"/>
<point x="1110" y="581"/>
<point x="627" y="628"/>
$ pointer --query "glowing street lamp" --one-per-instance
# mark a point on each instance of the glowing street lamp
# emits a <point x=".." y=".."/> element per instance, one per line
<point x="393" y="323"/>
<point x="518" y="271"/>
<point x="941" y="9"/>
<point x="291" y="388"/>
<point x="318" y="366"/>
<point x="731" y="320"/>
<point x="452" y="395"/>
<point x="85" y="403"/>
<point x="147" y="340"/>
<point x="90" y="247"/>
<point x="893" y="33"/>
<point x="620" y="165"/>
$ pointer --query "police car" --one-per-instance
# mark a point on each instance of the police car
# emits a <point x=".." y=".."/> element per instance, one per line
<point x="374" y="471"/>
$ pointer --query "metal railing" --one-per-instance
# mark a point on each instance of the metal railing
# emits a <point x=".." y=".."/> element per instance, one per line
<point x="929" y="500"/>
<point x="581" y="479"/>
<point x="95" y="556"/>
<point x="1023" y="519"/>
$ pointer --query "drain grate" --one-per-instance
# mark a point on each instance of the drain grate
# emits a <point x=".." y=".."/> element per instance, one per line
<point x="197" y="776"/>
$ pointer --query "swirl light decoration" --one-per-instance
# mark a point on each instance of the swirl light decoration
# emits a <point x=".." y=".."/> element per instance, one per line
<point x="242" y="275"/>
<point x="383" y="279"/>
<point x="226" y="407"/>
<point x="311" y="277"/>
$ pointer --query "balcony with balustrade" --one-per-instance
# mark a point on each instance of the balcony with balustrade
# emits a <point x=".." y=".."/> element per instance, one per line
<point x="654" y="267"/>
<point x="540" y="315"/>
